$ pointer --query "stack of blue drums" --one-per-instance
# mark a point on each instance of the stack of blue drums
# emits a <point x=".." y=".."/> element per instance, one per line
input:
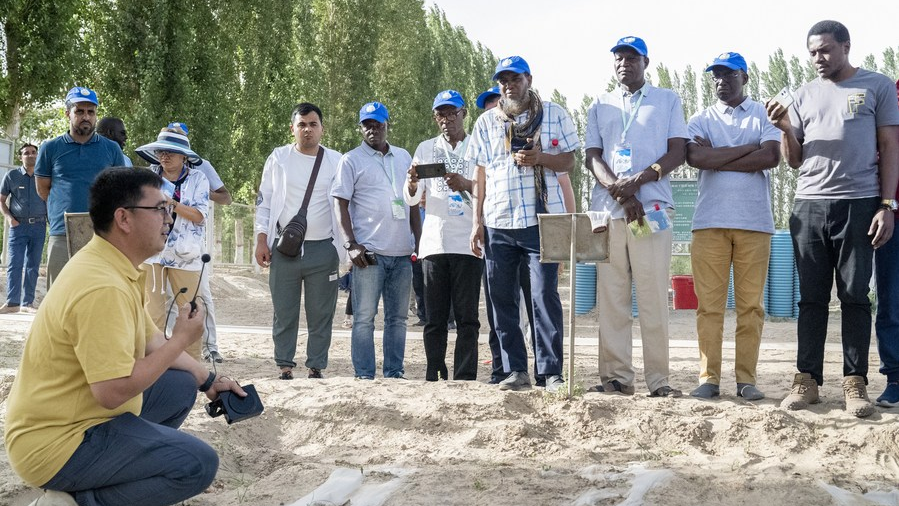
<point x="585" y="288"/>
<point x="782" y="290"/>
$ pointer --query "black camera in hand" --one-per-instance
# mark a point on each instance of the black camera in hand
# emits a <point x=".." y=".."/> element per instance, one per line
<point x="234" y="407"/>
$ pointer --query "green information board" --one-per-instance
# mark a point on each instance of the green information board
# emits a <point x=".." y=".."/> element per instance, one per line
<point x="685" y="192"/>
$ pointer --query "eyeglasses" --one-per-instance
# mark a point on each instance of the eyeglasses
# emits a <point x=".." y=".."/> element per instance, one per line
<point x="730" y="75"/>
<point x="164" y="154"/>
<point x="165" y="209"/>
<point x="447" y="115"/>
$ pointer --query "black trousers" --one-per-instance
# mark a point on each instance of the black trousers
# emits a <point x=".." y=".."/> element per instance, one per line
<point x="830" y="237"/>
<point x="451" y="281"/>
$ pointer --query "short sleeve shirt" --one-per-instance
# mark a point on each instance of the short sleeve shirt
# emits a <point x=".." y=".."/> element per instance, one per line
<point x="659" y="117"/>
<point x="372" y="182"/>
<point x="24" y="202"/>
<point x="91" y="327"/>
<point x="837" y="126"/>
<point x="72" y="168"/>
<point x="730" y="199"/>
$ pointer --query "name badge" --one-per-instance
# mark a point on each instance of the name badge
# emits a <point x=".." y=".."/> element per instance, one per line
<point x="454" y="205"/>
<point x="399" y="209"/>
<point x="622" y="158"/>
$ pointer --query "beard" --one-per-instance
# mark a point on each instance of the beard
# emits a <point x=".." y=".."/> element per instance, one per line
<point x="84" y="128"/>
<point x="514" y="107"/>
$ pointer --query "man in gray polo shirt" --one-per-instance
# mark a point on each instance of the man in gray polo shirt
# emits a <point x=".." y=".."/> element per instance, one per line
<point x="381" y="232"/>
<point x="733" y="145"/>
<point x="833" y="133"/>
<point x="635" y="137"/>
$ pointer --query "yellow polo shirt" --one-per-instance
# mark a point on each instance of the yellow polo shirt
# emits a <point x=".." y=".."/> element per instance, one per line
<point x="92" y="326"/>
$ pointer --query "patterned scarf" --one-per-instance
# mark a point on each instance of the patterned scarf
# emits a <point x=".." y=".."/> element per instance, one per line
<point x="530" y="129"/>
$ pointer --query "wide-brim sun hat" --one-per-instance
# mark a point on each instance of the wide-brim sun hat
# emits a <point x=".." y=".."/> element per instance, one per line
<point x="171" y="142"/>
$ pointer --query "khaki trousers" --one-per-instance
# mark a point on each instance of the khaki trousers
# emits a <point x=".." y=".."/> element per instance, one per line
<point x="646" y="261"/>
<point x="713" y="252"/>
<point x="156" y="280"/>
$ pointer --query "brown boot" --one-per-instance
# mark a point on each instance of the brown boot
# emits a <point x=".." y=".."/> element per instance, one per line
<point x="803" y="393"/>
<point x="856" y="395"/>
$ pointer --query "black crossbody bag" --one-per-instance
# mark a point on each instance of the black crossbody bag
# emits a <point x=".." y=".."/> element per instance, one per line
<point x="290" y="242"/>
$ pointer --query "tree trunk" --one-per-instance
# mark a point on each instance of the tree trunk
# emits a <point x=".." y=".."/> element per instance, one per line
<point x="238" y="241"/>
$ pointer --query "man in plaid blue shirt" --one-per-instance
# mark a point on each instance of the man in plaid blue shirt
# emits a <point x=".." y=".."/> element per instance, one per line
<point x="518" y="148"/>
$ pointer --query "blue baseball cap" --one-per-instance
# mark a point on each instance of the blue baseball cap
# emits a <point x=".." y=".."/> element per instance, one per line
<point x="733" y="61"/>
<point x="514" y="64"/>
<point x="487" y="95"/>
<point x="449" y="97"/>
<point x="182" y="126"/>
<point x="374" y="110"/>
<point x="635" y="43"/>
<point x="81" y="94"/>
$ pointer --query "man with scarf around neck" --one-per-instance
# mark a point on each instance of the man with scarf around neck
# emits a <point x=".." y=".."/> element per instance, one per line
<point x="636" y="135"/>
<point x="517" y="148"/>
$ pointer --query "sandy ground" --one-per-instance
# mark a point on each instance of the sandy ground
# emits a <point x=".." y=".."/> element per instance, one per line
<point x="409" y="442"/>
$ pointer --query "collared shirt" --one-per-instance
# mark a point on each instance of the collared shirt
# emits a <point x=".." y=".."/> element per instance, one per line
<point x="448" y="227"/>
<point x="660" y="117"/>
<point x="72" y="167"/>
<point x="511" y="198"/>
<point x="91" y="327"/>
<point x="24" y="201"/>
<point x="729" y="199"/>
<point x="372" y="181"/>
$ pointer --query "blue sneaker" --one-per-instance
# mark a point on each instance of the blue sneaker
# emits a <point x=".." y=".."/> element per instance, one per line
<point x="890" y="397"/>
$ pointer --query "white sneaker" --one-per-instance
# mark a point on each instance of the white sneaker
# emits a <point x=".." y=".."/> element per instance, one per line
<point x="54" y="498"/>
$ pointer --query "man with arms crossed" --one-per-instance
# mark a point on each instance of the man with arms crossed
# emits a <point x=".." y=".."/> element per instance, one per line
<point x="832" y="133"/>
<point x="733" y="145"/>
<point x="94" y="411"/>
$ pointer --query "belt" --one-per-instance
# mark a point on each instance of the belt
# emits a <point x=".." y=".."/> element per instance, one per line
<point x="39" y="219"/>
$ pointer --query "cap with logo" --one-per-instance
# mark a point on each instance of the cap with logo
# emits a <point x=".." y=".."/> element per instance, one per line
<point x="635" y="43"/>
<point x="81" y="94"/>
<point x="448" y="97"/>
<point x="514" y="64"/>
<point x="733" y="61"/>
<point x="374" y="110"/>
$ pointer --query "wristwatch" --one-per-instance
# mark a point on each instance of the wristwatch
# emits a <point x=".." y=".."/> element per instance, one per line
<point x="348" y="244"/>
<point x="658" y="168"/>
<point x="889" y="204"/>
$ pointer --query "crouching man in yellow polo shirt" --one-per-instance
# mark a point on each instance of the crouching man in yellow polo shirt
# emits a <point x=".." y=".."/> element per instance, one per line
<point x="94" y="411"/>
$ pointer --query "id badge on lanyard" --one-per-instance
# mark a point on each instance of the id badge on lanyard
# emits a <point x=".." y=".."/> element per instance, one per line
<point x="622" y="158"/>
<point x="399" y="209"/>
<point x="454" y="205"/>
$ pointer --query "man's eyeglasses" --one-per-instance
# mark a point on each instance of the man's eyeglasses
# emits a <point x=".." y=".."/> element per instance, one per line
<point x="165" y="209"/>
<point x="447" y="115"/>
<point x="718" y="77"/>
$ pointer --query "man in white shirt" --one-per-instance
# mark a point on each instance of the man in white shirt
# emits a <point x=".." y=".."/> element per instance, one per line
<point x="285" y="179"/>
<point x="452" y="273"/>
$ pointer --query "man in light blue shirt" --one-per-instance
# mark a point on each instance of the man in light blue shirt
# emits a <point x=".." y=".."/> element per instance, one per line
<point x="635" y="137"/>
<point x="381" y="232"/>
<point x="518" y="147"/>
<point x="734" y="145"/>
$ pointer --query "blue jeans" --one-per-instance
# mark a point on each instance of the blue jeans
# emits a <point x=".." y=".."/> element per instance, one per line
<point x="142" y="461"/>
<point x="886" y="262"/>
<point x="26" y="243"/>
<point x="505" y="250"/>
<point x="392" y="279"/>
